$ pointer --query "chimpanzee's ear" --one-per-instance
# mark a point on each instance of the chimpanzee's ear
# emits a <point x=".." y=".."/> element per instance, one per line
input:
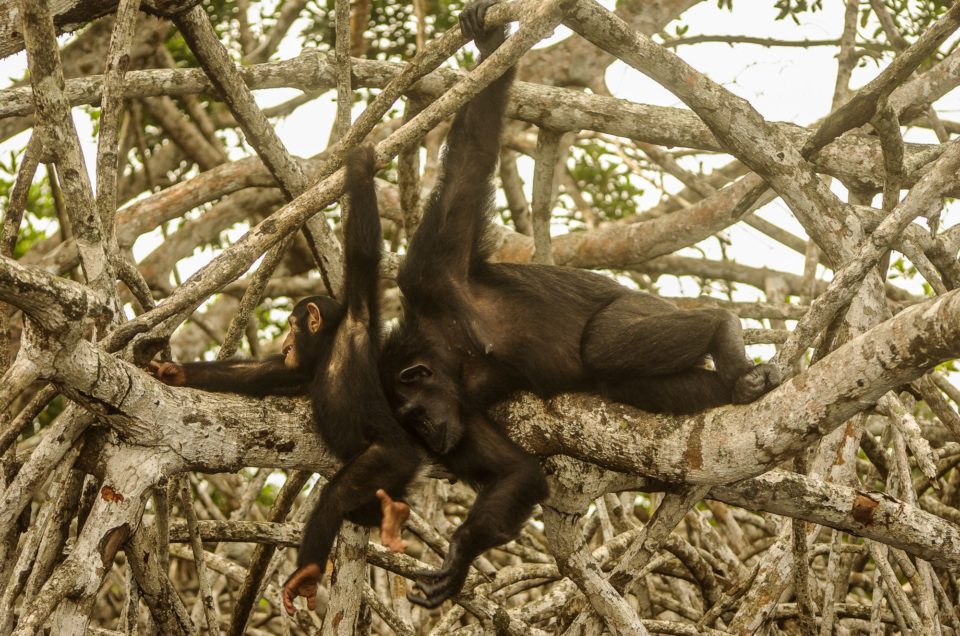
<point x="315" y="322"/>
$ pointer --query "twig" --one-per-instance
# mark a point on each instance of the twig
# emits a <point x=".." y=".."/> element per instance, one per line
<point x="765" y="42"/>
<point x="158" y="594"/>
<point x="111" y="109"/>
<point x="57" y="442"/>
<point x="260" y="559"/>
<point x="544" y="187"/>
<point x="206" y="598"/>
<point x="898" y="598"/>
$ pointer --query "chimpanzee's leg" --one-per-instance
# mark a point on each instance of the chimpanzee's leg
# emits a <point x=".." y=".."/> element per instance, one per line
<point x="369" y="514"/>
<point x="389" y="464"/>
<point x="509" y="483"/>
<point x="351" y="494"/>
<point x="623" y="344"/>
<point x="685" y="392"/>
<point x="624" y="338"/>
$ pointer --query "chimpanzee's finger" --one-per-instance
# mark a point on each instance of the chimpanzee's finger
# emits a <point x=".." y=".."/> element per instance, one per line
<point x="428" y="603"/>
<point x="429" y="574"/>
<point x="433" y="595"/>
<point x="473" y="17"/>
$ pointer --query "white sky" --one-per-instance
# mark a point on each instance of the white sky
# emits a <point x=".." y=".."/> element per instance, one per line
<point x="783" y="83"/>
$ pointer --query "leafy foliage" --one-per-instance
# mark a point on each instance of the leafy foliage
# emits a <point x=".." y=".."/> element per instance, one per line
<point x="912" y="17"/>
<point x="793" y="8"/>
<point x="39" y="204"/>
<point x="605" y="180"/>
<point x="271" y="316"/>
<point x="391" y="31"/>
<point x="268" y="494"/>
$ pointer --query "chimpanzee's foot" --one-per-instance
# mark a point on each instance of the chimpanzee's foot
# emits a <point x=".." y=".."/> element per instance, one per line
<point x="756" y="382"/>
<point x="395" y="514"/>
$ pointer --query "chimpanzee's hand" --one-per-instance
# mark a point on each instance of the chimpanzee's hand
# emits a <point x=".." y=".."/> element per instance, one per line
<point x="303" y="583"/>
<point x="168" y="372"/>
<point x="471" y="24"/>
<point x="361" y="162"/>
<point x="440" y="585"/>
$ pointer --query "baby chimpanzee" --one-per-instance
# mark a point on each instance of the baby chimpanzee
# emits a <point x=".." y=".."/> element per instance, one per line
<point x="331" y="354"/>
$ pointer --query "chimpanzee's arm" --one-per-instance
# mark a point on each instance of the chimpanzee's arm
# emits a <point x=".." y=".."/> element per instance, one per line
<point x="362" y="238"/>
<point x="248" y="377"/>
<point x="508" y="482"/>
<point x="450" y="236"/>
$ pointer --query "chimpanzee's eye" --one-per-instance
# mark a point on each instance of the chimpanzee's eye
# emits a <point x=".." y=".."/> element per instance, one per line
<point x="415" y="373"/>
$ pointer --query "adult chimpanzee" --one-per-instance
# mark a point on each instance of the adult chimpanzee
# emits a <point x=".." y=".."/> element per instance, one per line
<point x="474" y="331"/>
<point x="331" y="353"/>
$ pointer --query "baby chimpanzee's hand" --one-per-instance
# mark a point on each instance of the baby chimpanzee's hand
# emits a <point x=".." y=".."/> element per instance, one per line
<point x="303" y="583"/>
<point x="471" y="24"/>
<point x="168" y="372"/>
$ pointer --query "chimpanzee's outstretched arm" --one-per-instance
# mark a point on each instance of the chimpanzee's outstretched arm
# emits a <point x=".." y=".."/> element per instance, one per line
<point x="363" y="242"/>
<point x="248" y="377"/>
<point x="473" y="144"/>
<point x="450" y="235"/>
<point x="509" y="483"/>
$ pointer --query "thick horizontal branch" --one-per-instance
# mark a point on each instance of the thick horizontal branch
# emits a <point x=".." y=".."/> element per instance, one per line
<point x="221" y="433"/>
<point x="209" y="432"/>
<point x="736" y="442"/>
<point x="871" y="515"/>
<point x="203" y="431"/>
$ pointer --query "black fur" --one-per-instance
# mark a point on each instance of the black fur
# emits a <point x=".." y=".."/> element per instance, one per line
<point x="337" y="368"/>
<point x="258" y="378"/>
<point x="349" y="405"/>
<point x="473" y="332"/>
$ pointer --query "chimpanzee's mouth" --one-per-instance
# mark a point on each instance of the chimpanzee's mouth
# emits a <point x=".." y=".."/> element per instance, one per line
<point x="421" y="422"/>
<point x="431" y="432"/>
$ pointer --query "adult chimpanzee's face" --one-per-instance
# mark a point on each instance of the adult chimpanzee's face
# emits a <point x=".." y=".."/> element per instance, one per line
<point x="426" y="399"/>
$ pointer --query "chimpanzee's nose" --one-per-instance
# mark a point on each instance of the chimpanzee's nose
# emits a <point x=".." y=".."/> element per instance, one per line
<point x="405" y="409"/>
